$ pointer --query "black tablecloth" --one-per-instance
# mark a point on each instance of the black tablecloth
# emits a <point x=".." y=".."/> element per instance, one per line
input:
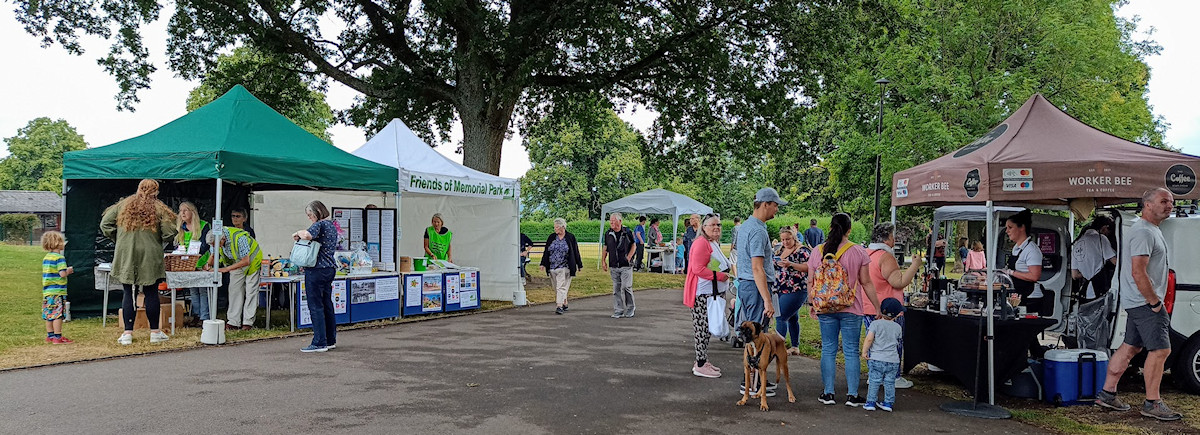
<point x="955" y="345"/>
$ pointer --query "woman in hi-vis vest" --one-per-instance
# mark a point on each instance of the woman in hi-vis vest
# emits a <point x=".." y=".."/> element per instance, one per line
<point x="437" y="240"/>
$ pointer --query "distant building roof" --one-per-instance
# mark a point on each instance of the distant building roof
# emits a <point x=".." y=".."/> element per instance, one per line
<point x="30" y="201"/>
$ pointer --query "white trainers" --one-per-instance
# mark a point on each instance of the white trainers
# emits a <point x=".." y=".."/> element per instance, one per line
<point x="158" y="337"/>
<point x="125" y="339"/>
<point x="903" y="383"/>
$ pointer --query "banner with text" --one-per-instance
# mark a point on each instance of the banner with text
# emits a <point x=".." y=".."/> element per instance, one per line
<point x="448" y="185"/>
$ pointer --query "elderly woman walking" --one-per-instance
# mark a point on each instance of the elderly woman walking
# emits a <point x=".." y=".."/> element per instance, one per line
<point x="141" y="226"/>
<point x="705" y="282"/>
<point x="560" y="261"/>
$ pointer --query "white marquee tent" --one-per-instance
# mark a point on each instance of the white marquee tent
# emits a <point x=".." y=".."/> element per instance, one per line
<point x="657" y="201"/>
<point x="481" y="209"/>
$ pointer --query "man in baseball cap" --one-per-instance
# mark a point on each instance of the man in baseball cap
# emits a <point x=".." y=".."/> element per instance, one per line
<point x="768" y="194"/>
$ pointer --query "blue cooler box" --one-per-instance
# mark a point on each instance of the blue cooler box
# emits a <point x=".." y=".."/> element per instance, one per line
<point x="1074" y="376"/>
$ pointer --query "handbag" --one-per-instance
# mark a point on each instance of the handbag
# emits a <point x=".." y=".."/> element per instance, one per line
<point x="304" y="253"/>
<point x="716" y="317"/>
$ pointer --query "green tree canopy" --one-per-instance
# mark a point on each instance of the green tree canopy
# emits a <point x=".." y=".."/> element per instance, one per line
<point x="275" y="80"/>
<point x="958" y="69"/>
<point x="582" y="155"/>
<point x="36" y="155"/>
<point x="435" y="62"/>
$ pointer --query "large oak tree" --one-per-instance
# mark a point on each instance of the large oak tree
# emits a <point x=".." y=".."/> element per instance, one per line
<point x="481" y="63"/>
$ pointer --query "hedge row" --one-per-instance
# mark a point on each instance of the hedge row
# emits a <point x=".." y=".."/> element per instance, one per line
<point x="588" y="231"/>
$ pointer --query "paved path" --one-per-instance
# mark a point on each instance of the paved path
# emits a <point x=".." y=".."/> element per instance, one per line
<point x="519" y="371"/>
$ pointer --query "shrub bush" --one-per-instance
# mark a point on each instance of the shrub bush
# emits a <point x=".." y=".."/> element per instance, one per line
<point x="18" y="227"/>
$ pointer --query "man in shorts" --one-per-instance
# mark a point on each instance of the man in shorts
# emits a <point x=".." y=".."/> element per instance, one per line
<point x="1143" y="286"/>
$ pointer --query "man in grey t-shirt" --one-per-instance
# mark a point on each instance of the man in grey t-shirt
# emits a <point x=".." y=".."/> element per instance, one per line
<point x="1143" y="286"/>
<point x="756" y="269"/>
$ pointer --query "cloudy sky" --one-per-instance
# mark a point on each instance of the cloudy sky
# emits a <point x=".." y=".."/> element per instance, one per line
<point x="52" y="83"/>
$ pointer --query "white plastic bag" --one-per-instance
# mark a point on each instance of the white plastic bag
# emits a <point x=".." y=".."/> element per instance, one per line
<point x="716" y="316"/>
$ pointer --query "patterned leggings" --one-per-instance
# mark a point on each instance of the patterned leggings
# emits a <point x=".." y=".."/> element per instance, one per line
<point x="700" y="325"/>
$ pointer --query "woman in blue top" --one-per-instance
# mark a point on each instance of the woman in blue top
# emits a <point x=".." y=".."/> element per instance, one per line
<point x="318" y="280"/>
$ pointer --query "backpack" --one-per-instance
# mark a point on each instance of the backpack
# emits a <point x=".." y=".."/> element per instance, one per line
<point x="831" y="290"/>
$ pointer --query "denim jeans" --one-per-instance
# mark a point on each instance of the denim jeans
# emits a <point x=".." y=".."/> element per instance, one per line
<point x="199" y="298"/>
<point x="318" y="287"/>
<point x="879" y="372"/>
<point x="849" y="326"/>
<point x="789" y="317"/>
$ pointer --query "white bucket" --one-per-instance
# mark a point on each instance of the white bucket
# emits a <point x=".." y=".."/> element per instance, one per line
<point x="214" y="332"/>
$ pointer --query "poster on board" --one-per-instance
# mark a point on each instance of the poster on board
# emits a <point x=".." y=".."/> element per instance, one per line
<point x="451" y="288"/>
<point x="387" y="289"/>
<point x="305" y="316"/>
<point x="340" y="298"/>
<point x="412" y="290"/>
<point x="362" y="291"/>
<point x="431" y="293"/>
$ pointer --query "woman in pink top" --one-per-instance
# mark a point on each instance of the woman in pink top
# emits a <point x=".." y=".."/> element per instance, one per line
<point x="703" y="283"/>
<point x="889" y="280"/>
<point x="976" y="260"/>
<point x="848" y="322"/>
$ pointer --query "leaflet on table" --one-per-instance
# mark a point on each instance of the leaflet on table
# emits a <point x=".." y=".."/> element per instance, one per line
<point x="339" y="296"/>
<point x="431" y="292"/>
<point x="387" y="289"/>
<point x="452" y="288"/>
<point x="412" y="290"/>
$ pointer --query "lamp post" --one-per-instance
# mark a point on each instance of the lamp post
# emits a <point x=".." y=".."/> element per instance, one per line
<point x="878" y="133"/>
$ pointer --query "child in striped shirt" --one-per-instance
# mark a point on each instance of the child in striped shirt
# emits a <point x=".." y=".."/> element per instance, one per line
<point x="54" y="285"/>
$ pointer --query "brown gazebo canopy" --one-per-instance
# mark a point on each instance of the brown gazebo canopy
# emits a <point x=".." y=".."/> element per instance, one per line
<point x="1042" y="156"/>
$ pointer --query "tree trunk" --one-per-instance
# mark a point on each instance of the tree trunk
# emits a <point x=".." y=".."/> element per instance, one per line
<point x="485" y="115"/>
<point x="483" y="135"/>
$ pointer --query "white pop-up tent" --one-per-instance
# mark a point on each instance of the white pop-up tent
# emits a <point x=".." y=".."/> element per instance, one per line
<point x="657" y="201"/>
<point x="480" y="209"/>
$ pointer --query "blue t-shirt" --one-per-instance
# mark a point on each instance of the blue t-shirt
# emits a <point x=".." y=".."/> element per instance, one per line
<point x="324" y="233"/>
<point x="754" y="241"/>
<point x="639" y="234"/>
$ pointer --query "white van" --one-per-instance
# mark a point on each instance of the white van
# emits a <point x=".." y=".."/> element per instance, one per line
<point x="1183" y="295"/>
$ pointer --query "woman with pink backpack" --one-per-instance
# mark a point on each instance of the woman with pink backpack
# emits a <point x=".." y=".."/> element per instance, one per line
<point x="839" y="287"/>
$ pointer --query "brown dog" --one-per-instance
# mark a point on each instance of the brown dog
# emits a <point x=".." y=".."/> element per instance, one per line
<point x="762" y="348"/>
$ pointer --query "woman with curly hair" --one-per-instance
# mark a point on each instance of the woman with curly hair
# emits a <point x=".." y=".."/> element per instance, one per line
<point x="140" y="225"/>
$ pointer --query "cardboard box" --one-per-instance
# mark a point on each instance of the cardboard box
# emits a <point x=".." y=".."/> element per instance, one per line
<point x="406" y="264"/>
<point x="164" y="316"/>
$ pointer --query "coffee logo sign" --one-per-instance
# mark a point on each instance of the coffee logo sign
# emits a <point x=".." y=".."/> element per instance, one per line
<point x="983" y="141"/>
<point x="971" y="185"/>
<point x="1180" y="179"/>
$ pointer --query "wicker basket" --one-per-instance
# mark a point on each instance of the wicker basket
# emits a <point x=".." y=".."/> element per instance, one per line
<point x="180" y="262"/>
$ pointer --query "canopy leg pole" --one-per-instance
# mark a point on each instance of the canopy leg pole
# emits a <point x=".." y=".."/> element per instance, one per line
<point x="215" y="250"/>
<point x="674" y="235"/>
<point x="991" y="325"/>
<point x="974" y="408"/>
<point x="893" y="216"/>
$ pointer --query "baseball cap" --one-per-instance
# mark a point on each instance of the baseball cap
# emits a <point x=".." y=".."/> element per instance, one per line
<point x="891" y="307"/>
<point x="768" y="194"/>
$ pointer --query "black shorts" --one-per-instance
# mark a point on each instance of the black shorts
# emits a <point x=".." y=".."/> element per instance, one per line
<point x="1147" y="329"/>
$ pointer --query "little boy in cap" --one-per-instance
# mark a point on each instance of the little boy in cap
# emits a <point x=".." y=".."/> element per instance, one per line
<point x="883" y="359"/>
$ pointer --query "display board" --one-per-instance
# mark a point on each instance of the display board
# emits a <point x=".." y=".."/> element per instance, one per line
<point x="374" y="298"/>
<point x="374" y="229"/>
<point x="341" y="307"/>
<point x="462" y="289"/>
<point x="423" y="293"/>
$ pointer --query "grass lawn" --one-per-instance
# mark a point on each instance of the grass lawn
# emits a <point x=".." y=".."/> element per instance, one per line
<point x="22" y="335"/>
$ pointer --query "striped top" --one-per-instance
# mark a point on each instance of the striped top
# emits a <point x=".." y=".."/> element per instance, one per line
<point x="53" y="283"/>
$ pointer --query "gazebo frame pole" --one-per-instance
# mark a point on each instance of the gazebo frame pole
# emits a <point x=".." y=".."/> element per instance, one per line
<point x="990" y="314"/>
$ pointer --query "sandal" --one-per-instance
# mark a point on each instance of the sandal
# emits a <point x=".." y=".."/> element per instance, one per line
<point x="793" y="351"/>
